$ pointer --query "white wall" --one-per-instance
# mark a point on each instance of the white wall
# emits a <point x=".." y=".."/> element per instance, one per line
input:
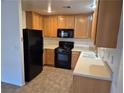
<point x="113" y="58"/>
<point x="120" y="77"/>
<point x="12" y="70"/>
<point x="23" y="19"/>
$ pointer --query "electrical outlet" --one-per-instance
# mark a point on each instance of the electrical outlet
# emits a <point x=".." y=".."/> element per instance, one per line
<point x="112" y="60"/>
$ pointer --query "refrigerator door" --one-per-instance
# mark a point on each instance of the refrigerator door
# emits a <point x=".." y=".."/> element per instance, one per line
<point x="33" y="52"/>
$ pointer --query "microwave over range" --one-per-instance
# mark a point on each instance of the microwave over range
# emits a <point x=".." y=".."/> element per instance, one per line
<point x="65" y="33"/>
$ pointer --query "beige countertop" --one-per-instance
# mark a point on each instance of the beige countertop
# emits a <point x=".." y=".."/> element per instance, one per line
<point x="50" y="46"/>
<point x="92" y="68"/>
<point x="88" y="67"/>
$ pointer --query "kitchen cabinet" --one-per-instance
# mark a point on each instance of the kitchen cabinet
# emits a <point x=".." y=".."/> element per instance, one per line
<point x="46" y="26"/>
<point x="33" y="20"/>
<point x="91" y="75"/>
<point x="80" y="23"/>
<point x="50" y="24"/>
<point x="94" y="22"/>
<point x="49" y="57"/>
<point x="44" y="56"/>
<point x="109" y="13"/>
<point x="74" y="59"/>
<point x="90" y="85"/>
<point x="83" y="25"/>
<point x="53" y="26"/>
<point x="61" y="22"/>
<point x="66" y="22"/>
<point x="53" y="22"/>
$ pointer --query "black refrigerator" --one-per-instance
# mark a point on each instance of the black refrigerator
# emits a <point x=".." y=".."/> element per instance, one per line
<point x="33" y="53"/>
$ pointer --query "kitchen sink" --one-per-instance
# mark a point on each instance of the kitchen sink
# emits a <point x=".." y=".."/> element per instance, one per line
<point x="89" y="54"/>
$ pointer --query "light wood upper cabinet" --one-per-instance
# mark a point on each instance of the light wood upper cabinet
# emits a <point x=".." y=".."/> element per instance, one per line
<point x="37" y="21"/>
<point x="46" y="26"/>
<point x="34" y="20"/>
<point x="94" y="22"/>
<point x="50" y="24"/>
<point x="83" y="25"/>
<point x="53" y="26"/>
<point x="66" y="22"/>
<point x="80" y="23"/>
<point x="61" y="22"/>
<point x="109" y="13"/>
<point x="70" y="21"/>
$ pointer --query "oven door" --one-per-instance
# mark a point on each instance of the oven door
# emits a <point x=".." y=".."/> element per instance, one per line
<point x="63" y="59"/>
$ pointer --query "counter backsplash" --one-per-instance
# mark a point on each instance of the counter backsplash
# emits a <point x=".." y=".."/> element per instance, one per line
<point x="77" y="42"/>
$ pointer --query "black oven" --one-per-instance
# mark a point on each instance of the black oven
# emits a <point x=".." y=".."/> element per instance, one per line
<point x="63" y="54"/>
<point x="62" y="58"/>
<point x="65" y="33"/>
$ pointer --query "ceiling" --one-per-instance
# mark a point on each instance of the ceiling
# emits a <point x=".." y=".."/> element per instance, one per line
<point x="59" y="6"/>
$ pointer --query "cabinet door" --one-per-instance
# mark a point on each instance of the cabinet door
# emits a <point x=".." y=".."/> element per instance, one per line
<point x="109" y="13"/>
<point x="85" y="84"/>
<point x="53" y="26"/>
<point x="74" y="59"/>
<point x="29" y="20"/>
<point x="50" y="57"/>
<point x="44" y="56"/>
<point x="35" y="24"/>
<point x="94" y="22"/>
<point x="66" y="22"/>
<point x="40" y="22"/>
<point x="82" y="26"/>
<point x="61" y="22"/>
<point x="46" y="26"/>
<point x="33" y="20"/>
<point x="70" y="22"/>
<point x="50" y="26"/>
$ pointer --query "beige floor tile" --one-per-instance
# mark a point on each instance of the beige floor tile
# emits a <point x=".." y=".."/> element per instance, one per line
<point x="51" y="80"/>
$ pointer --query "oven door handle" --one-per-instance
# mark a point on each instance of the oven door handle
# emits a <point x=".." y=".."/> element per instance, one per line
<point x="67" y="53"/>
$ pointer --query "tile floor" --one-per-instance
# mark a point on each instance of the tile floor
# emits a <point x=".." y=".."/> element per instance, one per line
<point x="51" y="80"/>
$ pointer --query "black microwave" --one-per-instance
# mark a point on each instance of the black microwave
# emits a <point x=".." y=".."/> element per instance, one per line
<point x="65" y="33"/>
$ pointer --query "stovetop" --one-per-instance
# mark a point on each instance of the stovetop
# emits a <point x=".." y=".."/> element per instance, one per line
<point x="66" y="45"/>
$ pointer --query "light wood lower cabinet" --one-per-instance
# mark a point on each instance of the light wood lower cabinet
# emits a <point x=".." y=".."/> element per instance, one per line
<point x="90" y="85"/>
<point x="44" y="57"/>
<point x="49" y="57"/>
<point x="74" y="59"/>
